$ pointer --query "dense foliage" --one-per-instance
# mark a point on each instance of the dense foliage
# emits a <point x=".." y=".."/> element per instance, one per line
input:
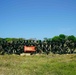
<point x="61" y="44"/>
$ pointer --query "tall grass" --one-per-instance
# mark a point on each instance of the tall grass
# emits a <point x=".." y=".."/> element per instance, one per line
<point x="38" y="65"/>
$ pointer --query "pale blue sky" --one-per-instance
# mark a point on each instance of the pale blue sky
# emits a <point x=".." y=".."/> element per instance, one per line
<point x="37" y="18"/>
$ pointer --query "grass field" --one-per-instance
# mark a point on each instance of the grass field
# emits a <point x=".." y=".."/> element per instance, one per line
<point x="38" y="65"/>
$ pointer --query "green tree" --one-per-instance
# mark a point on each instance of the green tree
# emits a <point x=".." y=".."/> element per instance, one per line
<point x="56" y="39"/>
<point x="71" y="38"/>
<point x="71" y="43"/>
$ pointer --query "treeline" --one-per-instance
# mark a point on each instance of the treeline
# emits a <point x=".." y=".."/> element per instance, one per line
<point x="61" y="44"/>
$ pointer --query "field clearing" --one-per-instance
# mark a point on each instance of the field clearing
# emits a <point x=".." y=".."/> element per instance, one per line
<point x="38" y="65"/>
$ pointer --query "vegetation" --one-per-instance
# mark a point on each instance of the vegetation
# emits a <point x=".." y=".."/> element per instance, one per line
<point x="52" y="64"/>
<point x="61" y="44"/>
<point x="60" y="61"/>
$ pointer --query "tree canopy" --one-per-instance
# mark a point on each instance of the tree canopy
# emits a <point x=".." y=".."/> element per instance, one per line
<point x="60" y="44"/>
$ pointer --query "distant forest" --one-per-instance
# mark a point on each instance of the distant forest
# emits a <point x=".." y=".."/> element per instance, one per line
<point x="60" y="44"/>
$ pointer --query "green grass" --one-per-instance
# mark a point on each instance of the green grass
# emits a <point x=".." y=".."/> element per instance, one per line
<point x="38" y="65"/>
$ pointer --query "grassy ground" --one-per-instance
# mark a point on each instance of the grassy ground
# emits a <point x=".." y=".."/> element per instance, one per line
<point x="38" y="65"/>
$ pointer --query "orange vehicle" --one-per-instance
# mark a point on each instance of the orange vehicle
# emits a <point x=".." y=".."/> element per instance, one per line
<point x="29" y="49"/>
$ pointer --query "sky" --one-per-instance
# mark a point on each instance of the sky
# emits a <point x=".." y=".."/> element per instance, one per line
<point x="37" y="18"/>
